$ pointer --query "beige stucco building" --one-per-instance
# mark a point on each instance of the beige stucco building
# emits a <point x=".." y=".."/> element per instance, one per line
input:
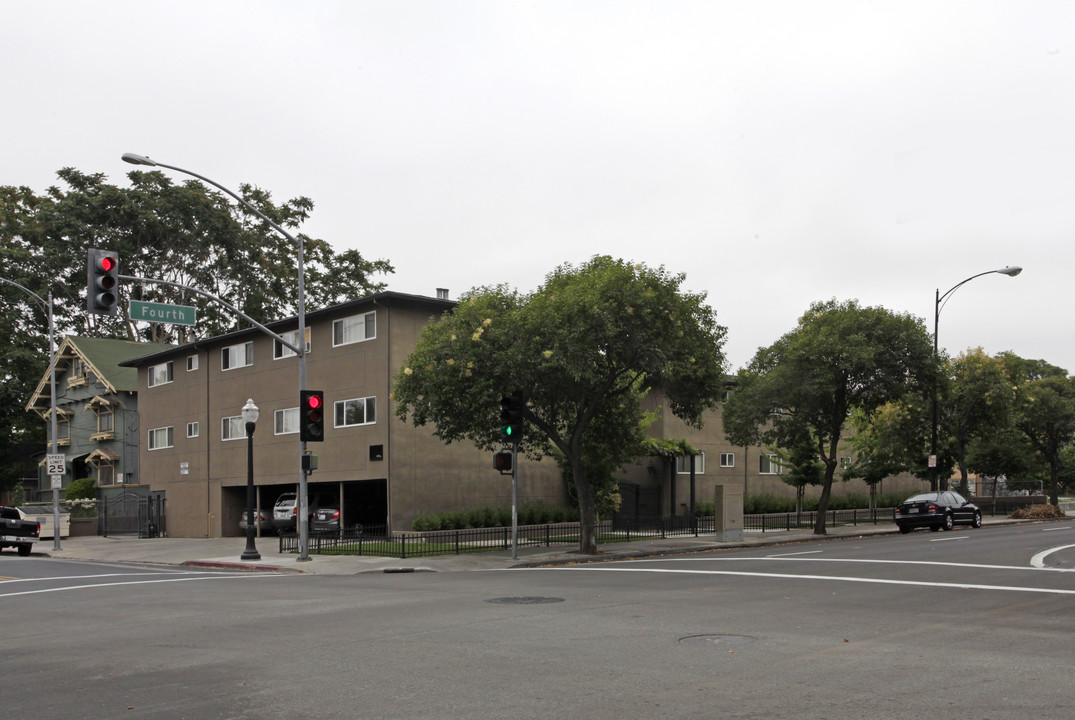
<point x="379" y="469"/>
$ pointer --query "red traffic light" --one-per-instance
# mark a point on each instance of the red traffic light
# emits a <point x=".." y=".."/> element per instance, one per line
<point x="106" y="263"/>
<point x="313" y="402"/>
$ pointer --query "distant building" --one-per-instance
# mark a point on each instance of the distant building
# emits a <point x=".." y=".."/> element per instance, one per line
<point x="97" y="424"/>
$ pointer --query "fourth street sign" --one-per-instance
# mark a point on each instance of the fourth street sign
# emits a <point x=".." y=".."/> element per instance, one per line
<point x="161" y="313"/>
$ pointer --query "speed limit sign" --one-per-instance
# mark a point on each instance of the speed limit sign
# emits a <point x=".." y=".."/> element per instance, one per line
<point x="57" y="464"/>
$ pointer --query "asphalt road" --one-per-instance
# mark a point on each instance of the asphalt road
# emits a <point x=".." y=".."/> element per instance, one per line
<point x="965" y="624"/>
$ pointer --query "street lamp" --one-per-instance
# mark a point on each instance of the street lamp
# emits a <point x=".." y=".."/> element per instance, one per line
<point x="939" y="302"/>
<point x="300" y="307"/>
<point x="250" y="417"/>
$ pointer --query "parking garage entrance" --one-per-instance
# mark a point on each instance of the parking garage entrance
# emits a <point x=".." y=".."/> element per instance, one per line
<point x="364" y="502"/>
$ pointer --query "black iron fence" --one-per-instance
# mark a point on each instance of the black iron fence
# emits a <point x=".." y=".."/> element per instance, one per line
<point x="377" y="541"/>
<point x="775" y="522"/>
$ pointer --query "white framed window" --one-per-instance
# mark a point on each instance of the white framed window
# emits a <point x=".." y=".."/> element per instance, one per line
<point x="286" y="421"/>
<point x="192" y="363"/>
<point x="358" y="411"/>
<point x="237" y="356"/>
<point x="232" y="428"/>
<point x="281" y="351"/>
<point x="160" y="374"/>
<point x="356" y="328"/>
<point x="683" y="464"/>
<point x="160" y="438"/>
<point x="106" y="421"/>
<point x="727" y="459"/>
<point x="106" y="473"/>
<point x="193" y="429"/>
<point x="768" y="465"/>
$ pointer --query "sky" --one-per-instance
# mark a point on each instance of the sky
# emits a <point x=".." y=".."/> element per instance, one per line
<point x="778" y="153"/>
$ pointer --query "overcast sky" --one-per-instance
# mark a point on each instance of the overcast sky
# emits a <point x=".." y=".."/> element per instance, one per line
<point x="778" y="153"/>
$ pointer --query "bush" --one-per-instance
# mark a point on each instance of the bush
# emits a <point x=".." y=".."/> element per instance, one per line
<point x="81" y="489"/>
<point x="485" y="516"/>
<point x="1038" y="512"/>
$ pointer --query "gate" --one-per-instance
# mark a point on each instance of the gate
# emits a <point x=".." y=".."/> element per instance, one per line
<point x="132" y="513"/>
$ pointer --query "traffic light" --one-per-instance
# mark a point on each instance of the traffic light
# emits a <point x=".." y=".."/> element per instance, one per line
<point x="102" y="282"/>
<point x="311" y="415"/>
<point x="502" y="461"/>
<point x="511" y="417"/>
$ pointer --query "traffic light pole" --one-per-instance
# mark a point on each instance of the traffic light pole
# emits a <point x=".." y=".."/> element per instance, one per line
<point x="515" y="499"/>
<point x="52" y="407"/>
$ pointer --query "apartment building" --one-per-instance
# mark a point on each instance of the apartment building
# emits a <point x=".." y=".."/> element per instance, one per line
<point x="379" y="469"/>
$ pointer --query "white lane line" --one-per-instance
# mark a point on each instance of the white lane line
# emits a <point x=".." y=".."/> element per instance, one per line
<point x="1053" y="529"/>
<point x="948" y="539"/>
<point x="873" y="581"/>
<point x="850" y="560"/>
<point x="1038" y="560"/>
<point x="108" y="575"/>
<point x="138" y="582"/>
<point x="782" y="555"/>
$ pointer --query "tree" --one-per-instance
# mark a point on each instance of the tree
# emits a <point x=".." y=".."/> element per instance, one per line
<point x="188" y="234"/>
<point x="1045" y="410"/>
<point x="978" y="402"/>
<point x="841" y="358"/>
<point x="582" y="350"/>
<point x="183" y="233"/>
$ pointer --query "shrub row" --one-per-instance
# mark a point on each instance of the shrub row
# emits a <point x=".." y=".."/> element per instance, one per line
<point x="484" y="516"/>
<point x="767" y="503"/>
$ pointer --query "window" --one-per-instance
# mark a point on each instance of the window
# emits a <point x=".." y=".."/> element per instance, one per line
<point x="683" y="464"/>
<point x="160" y="438"/>
<point x="360" y="411"/>
<point x="106" y="473"/>
<point x="193" y="429"/>
<point x="354" y="329"/>
<point x="232" y="428"/>
<point x="192" y="362"/>
<point x="105" y="420"/>
<point x="727" y="459"/>
<point x="286" y="421"/>
<point x="237" y="356"/>
<point x="63" y="429"/>
<point x="160" y="374"/>
<point x="283" y="351"/>
<point x="768" y="465"/>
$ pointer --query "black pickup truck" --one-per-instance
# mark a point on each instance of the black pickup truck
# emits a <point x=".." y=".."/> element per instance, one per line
<point x="16" y="531"/>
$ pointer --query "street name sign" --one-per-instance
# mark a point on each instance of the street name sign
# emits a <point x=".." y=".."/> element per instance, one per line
<point x="161" y="313"/>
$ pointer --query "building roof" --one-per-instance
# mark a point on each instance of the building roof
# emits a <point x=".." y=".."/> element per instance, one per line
<point x="105" y="358"/>
<point x="290" y="323"/>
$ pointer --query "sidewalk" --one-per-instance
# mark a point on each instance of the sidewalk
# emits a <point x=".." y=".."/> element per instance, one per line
<point x="224" y="553"/>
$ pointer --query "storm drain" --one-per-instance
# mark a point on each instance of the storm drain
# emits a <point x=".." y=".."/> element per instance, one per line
<point x="526" y="600"/>
<point x="721" y="641"/>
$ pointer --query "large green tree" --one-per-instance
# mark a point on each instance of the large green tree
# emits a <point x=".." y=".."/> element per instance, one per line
<point x="977" y="403"/>
<point x="582" y="350"/>
<point x="185" y="233"/>
<point x="841" y="358"/>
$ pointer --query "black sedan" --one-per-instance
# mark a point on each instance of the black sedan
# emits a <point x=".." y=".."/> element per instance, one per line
<point x="937" y="511"/>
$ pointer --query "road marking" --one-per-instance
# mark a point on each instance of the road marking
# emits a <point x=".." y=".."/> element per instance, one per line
<point x="107" y="575"/>
<point x="873" y="581"/>
<point x="807" y="552"/>
<point x="854" y="560"/>
<point x="1038" y="560"/>
<point x="947" y="539"/>
<point x="1062" y="527"/>
<point x="139" y="582"/>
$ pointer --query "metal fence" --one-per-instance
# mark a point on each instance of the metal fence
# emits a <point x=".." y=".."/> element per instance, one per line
<point x="775" y="522"/>
<point x="376" y="541"/>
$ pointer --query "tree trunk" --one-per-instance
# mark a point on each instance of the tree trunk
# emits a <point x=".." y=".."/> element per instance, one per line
<point x="587" y="511"/>
<point x="823" y="501"/>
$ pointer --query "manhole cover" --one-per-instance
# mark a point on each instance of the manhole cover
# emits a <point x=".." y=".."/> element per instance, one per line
<point x="525" y="600"/>
<point x="723" y="641"/>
